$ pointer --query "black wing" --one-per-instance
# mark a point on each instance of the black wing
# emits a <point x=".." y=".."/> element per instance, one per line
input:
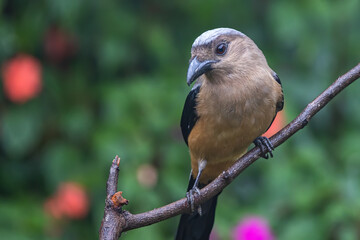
<point x="189" y="115"/>
<point x="279" y="105"/>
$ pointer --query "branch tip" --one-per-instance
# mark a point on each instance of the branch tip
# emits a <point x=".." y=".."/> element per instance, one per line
<point x="116" y="160"/>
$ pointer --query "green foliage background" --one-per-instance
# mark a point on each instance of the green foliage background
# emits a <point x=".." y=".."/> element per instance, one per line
<point x="123" y="92"/>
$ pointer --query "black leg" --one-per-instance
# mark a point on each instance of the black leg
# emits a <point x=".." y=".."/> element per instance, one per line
<point x="265" y="145"/>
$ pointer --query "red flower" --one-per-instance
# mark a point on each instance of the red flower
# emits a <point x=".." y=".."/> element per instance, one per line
<point x="277" y="125"/>
<point x="22" y="78"/>
<point x="70" y="201"/>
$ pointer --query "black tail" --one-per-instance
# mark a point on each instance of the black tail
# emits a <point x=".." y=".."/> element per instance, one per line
<point x="196" y="227"/>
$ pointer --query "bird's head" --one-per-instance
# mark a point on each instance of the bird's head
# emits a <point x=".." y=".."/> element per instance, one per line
<point x="220" y="51"/>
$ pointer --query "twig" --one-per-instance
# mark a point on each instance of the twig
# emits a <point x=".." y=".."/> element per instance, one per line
<point x="121" y="221"/>
<point x="113" y="222"/>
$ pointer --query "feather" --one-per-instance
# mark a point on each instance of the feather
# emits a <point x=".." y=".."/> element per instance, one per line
<point x="189" y="116"/>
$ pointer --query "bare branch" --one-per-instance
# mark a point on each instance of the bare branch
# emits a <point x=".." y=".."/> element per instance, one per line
<point x="125" y="221"/>
<point x="113" y="222"/>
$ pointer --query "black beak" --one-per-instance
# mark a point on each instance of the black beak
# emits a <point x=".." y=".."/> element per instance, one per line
<point x="196" y="69"/>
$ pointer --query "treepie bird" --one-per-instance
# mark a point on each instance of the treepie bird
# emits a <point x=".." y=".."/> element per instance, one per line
<point x="233" y="102"/>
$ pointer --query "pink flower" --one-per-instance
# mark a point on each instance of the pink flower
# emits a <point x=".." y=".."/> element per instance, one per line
<point x="214" y="235"/>
<point x="277" y="125"/>
<point x="70" y="201"/>
<point x="22" y="78"/>
<point x="253" y="228"/>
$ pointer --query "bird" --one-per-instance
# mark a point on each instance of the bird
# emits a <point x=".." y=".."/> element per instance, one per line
<point x="234" y="100"/>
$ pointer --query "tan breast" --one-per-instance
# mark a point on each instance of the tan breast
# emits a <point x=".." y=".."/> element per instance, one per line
<point x="231" y="117"/>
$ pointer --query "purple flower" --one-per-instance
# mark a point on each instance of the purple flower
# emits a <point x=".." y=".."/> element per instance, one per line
<point x="253" y="228"/>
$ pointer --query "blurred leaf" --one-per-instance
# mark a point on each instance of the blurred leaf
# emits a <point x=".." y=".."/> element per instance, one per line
<point x="21" y="220"/>
<point x="77" y="123"/>
<point x="301" y="228"/>
<point x="21" y="129"/>
<point x="61" y="162"/>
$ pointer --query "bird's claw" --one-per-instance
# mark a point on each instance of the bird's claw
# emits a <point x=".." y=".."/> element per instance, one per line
<point x="190" y="199"/>
<point x="265" y="145"/>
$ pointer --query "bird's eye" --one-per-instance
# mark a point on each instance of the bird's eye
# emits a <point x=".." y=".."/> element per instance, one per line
<point x="221" y="49"/>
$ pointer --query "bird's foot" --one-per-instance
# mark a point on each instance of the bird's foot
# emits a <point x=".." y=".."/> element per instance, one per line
<point x="190" y="199"/>
<point x="265" y="145"/>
